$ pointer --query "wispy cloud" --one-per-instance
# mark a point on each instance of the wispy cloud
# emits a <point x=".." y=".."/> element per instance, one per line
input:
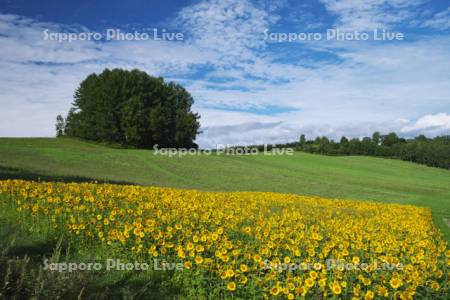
<point x="371" y="14"/>
<point x="439" y="21"/>
<point x="230" y="27"/>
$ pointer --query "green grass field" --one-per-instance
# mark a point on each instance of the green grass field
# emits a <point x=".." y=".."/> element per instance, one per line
<point x="363" y="178"/>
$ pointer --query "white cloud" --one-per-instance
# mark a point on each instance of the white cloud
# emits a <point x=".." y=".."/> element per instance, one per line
<point x="431" y="124"/>
<point x="371" y="14"/>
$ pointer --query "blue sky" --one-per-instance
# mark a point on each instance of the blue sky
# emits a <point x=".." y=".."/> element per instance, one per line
<point x="247" y="88"/>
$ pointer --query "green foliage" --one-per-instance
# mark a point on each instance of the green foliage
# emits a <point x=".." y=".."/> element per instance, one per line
<point x="433" y="152"/>
<point x="376" y="138"/>
<point x="60" y="124"/>
<point x="302" y="140"/>
<point x="390" y="140"/>
<point x="133" y="109"/>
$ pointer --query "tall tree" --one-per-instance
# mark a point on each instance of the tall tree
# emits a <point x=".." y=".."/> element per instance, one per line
<point x="389" y="139"/>
<point x="302" y="141"/>
<point x="376" y="138"/>
<point x="59" y="126"/>
<point x="132" y="108"/>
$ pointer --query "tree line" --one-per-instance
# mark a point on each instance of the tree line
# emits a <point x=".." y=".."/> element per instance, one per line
<point x="434" y="152"/>
<point x="131" y="108"/>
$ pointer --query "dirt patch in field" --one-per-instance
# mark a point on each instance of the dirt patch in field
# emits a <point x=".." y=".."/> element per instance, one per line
<point x="447" y="221"/>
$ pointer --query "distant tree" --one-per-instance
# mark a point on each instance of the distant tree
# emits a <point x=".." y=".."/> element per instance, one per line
<point x="302" y="141"/>
<point x="429" y="151"/>
<point x="367" y="146"/>
<point x="323" y="143"/>
<point x="389" y="139"/>
<point x="354" y="146"/>
<point x="421" y="138"/>
<point x="343" y="145"/>
<point x="60" y="125"/>
<point x="134" y="109"/>
<point x="376" y="138"/>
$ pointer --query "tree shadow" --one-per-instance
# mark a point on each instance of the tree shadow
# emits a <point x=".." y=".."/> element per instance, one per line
<point x="16" y="243"/>
<point x="15" y="173"/>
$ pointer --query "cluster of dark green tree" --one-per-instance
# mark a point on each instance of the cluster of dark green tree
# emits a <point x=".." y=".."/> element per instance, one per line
<point x="433" y="152"/>
<point x="131" y="108"/>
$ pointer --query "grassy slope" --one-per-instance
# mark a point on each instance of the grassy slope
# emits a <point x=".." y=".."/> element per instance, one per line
<point x="341" y="177"/>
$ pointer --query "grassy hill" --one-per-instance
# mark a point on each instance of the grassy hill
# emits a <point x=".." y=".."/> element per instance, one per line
<point x="339" y="177"/>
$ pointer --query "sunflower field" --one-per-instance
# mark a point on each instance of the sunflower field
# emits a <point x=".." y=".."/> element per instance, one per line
<point x="242" y="245"/>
